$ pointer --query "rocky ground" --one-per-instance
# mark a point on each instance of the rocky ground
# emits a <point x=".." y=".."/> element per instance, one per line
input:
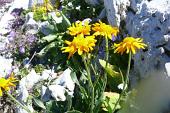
<point x="4" y="106"/>
<point x="4" y="6"/>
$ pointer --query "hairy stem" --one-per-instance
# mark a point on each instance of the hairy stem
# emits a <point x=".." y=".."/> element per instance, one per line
<point x="18" y="103"/>
<point x="106" y="59"/>
<point x="125" y="83"/>
<point x="90" y="83"/>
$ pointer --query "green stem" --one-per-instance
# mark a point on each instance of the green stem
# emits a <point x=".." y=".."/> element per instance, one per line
<point x="90" y="82"/>
<point x="107" y="51"/>
<point x="125" y="83"/>
<point x="17" y="102"/>
<point x="93" y="69"/>
<point x="106" y="59"/>
<point x="128" y="69"/>
<point x="123" y="80"/>
<point x="98" y="46"/>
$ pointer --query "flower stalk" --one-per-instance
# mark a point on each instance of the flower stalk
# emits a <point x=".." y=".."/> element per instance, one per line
<point x="106" y="59"/>
<point x="125" y="83"/>
<point x="90" y="82"/>
<point x="18" y="103"/>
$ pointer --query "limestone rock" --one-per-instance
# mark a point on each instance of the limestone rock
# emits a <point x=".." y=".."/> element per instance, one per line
<point x="66" y="81"/>
<point x="58" y="88"/>
<point x="20" y="110"/>
<point x="6" y="66"/>
<point x="7" y="17"/>
<point x="31" y="26"/>
<point x="57" y="92"/>
<point x="116" y="10"/>
<point x="167" y="67"/>
<point x="150" y="20"/>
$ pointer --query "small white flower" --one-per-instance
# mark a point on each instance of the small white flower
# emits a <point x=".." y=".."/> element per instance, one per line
<point x="120" y="86"/>
<point x="78" y="7"/>
<point x="88" y="20"/>
<point x="70" y="4"/>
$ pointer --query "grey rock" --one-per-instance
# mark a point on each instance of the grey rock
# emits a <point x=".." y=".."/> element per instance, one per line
<point x="46" y="28"/>
<point x="45" y="94"/>
<point x="151" y="22"/>
<point x="31" y="26"/>
<point x="20" y="110"/>
<point x="6" y="66"/>
<point x="116" y="10"/>
<point x="167" y="67"/>
<point x="58" y="92"/>
<point x="26" y="84"/>
<point x="7" y="17"/>
<point x="59" y="87"/>
<point x="66" y="81"/>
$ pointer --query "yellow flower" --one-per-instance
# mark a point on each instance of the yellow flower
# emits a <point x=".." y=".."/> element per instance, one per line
<point x="80" y="27"/>
<point x="5" y="84"/>
<point x="105" y="30"/>
<point x="79" y="44"/>
<point x="48" y="5"/>
<point x="129" y="44"/>
<point x="43" y="8"/>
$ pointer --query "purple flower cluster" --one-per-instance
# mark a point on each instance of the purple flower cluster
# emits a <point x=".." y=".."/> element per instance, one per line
<point x="19" y="42"/>
<point x="17" y="12"/>
<point x="19" y="20"/>
<point x="3" y="2"/>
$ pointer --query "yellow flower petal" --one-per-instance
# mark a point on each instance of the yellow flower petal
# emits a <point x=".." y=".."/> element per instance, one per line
<point x="80" y="44"/>
<point x="0" y="92"/>
<point x="104" y="30"/>
<point x="6" y="84"/>
<point x="80" y="28"/>
<point x="129" y="44"/>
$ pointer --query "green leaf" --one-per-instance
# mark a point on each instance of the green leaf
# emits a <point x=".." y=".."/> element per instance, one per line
<point x="110" y="69"/>
<point x="83" y="92"/>
<point x="73" y="111"/>
<point x="74" y="78"/>
<point x="62" y="27"/>
<point x="65" y="20"/>
<point x="48" y="29"/>
<point x="110" y="99"/>
<point x="46" y="49"/>
<point x="52" y="107"/>
<point x="39" y="103"/>
<point x="49" y="38"/>
<point x="69" y="103"/>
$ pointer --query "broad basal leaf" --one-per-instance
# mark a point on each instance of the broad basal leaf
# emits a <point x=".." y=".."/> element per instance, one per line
<point x="110" y="69"/>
